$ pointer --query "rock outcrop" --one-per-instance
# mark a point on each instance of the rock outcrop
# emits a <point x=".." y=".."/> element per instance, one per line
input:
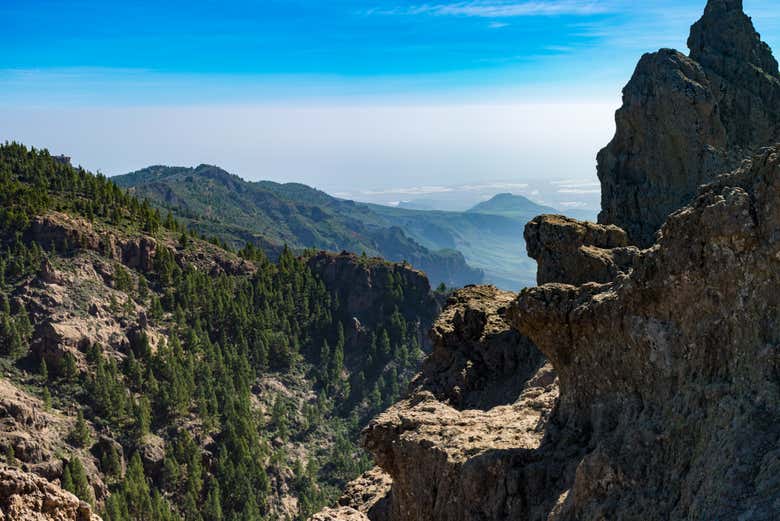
<point x="664" y="403"/>
<point x="38" y="438"/>
<point x="369" y="287"/>
<point x="452" y="448"/>
<point x="478" y="361"/>
<point x="687" y="119"/>
<point x="370" y="494"/>
<point x="339" y="514"/>
<point x="575" y="252"/>
<point x="673" y="369"/>
<point x="27" y="497"/>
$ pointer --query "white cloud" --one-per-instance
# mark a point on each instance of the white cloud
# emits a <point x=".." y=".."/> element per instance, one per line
<point x="575" y="183"/>
<point x="412" y="190"/>
<point x="573" y="204"/>
<point x="338" y="148"/>
<point x="502" y="8"/>
<point x="579" y="191"/>
<point x="497" y="25"/>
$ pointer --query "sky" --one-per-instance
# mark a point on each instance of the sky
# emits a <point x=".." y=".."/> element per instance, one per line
<point x="371" y="99"/>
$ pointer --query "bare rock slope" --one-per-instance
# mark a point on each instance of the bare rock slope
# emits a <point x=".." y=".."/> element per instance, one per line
<point x="686" y="119"/>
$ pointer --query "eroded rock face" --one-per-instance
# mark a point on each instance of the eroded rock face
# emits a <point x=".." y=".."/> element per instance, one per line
<point x="685" y="120"/>
<point x="370" y="494"/>
<point x="364" y="286"/>
<point x="478" y="360"/>
<point x="575" y="252"/>
<point x="449" y="461"/>
<point x="27" y="497"/>
<point x="673" y="369"/>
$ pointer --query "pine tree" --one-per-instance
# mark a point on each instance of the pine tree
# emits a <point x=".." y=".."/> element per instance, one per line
<point x="212" y="509"/>
<point x="74" y="479"/>
<point x="143" y="417"/>
<point x="80" y="436"/>
<point x="43" y="370"/>
<point x="69" y="368"/>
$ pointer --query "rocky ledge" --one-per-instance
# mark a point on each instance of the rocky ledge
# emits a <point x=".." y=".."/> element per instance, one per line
<point x="575" y="252"/>
<point x="672" y="369"/>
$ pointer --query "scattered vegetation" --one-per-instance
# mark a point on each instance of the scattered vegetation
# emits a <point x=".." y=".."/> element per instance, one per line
<point x="196" y="388"/>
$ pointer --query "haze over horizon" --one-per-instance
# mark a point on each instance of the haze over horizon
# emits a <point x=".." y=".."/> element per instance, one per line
<point x="383" y="101"/>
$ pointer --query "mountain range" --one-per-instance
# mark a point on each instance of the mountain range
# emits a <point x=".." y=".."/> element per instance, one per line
<point x="483" y="244"/>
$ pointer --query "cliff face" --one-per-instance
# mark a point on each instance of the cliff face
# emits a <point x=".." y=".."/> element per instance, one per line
<point x="369" y="287"/>
<point x="672" y="369"/>
<point x="686" y="119"/>
<point x="635" y="383"/>
<point x="458" y="446"/>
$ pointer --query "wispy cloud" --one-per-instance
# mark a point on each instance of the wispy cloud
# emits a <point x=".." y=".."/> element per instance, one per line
<point x="502" y="8"/>
<point x="430" y="190"/>
<point x="579" y="191"/>
<point x="497" y="25"/>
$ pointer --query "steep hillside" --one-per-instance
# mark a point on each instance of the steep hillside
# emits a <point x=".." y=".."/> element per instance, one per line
<point x="214" y="202"/>
<point x="157" y="376"/>
<point x="220" y="204"/>
<point x="489" y="242"/>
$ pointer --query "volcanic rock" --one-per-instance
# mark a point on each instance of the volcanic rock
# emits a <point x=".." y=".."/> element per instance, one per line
<point x="685" y="120"/>
<point x="575" y="252"/>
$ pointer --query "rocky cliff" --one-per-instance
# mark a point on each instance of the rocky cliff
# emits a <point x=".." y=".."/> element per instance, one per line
<point x="671" y="370"/>
<point x="686" y="119"/>
<point x="633" y="383"/>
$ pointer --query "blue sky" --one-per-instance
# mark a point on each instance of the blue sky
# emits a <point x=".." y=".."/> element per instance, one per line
<point x="69" y="65"/>
<point x="143" y="52"/>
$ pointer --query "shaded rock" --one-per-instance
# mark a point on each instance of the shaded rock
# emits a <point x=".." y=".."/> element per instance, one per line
<point x="152" y="452"/>
<point x="365" y="286"/>
<point x="685" y="120"/>
<point x="27" y="497"/>
<point x="369" y="494"/>
<point x="138" y="253"/>
<point x="672" y="369"/>
<point x="447" y="463"/>
<point x="575" y="252"/>
<point x="339" y="514"/>
<point x="478" y="360"/>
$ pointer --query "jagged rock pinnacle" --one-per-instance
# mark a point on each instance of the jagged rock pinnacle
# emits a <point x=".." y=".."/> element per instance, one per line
<point x="687" y="119"/>
<point x="725" y="34"/>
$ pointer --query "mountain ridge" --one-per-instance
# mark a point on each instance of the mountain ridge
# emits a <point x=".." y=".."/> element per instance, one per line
<point x="456" y="248"/>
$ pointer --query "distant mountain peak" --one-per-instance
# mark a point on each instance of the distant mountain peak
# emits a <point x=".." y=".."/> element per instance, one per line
<point x="507" y="204"/>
